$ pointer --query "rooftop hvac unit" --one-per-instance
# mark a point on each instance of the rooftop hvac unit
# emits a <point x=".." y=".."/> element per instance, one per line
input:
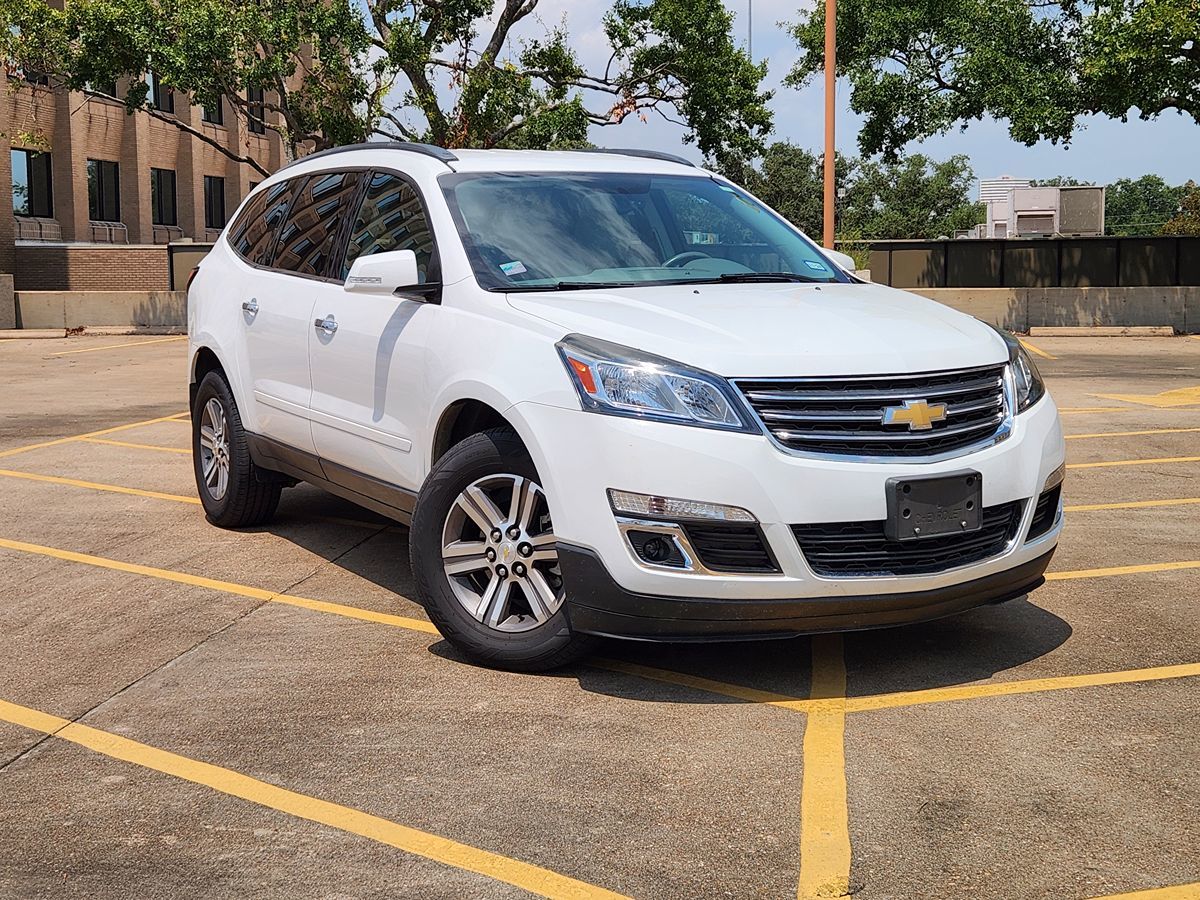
<point x="1081" y="210"/>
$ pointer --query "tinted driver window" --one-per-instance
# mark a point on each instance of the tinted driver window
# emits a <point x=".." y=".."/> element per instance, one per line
<point x="391" y="218"/>
<point x="307" y="239"/>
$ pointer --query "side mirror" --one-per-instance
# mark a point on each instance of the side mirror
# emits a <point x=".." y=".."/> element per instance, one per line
<point x="391" y="273"/>
<point x="843" y="260"/>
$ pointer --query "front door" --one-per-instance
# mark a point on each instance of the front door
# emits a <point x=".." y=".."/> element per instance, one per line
<point x="367" y="367"/>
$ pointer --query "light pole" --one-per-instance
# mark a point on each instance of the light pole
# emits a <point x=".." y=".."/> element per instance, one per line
<point x="830" y="109"/>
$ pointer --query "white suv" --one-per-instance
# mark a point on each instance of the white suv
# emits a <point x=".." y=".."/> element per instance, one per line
<point x="614" y="395"/>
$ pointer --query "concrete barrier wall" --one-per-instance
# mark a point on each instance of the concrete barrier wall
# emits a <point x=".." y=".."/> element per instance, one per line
<point x="1022" y="308"/>
<point x="72" y="309"/>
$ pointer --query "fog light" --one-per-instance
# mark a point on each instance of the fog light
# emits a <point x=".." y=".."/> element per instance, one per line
<point x="655" y="507"/>
<point x="656" y="549"/>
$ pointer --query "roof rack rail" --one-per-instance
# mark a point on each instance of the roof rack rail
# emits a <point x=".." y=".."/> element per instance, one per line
<point x="439" y="153"/>
<point x="644" y="154"/>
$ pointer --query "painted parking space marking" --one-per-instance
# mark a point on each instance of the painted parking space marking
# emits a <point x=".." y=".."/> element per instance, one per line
<point x="1133" y="504"/>
<point x="1177" y="892"/>
<point x="1110" y="571"/>
<point x="181" y="337"/>
<point x="176" y="417"/>
<point x="824" y="813"/>
<point x="241" y="590"/>
<point x="1169" y="399"/>
<point x="1038" y="351"/>
<point x="97" y="486"/>
<point x="1164" y="460"/>
<point x="134" y="446"/>
<point x="1115" y="434"/>
<point x="527" y="876"/>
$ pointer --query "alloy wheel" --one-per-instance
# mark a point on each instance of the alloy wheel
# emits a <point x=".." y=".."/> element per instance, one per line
<point x="214" y="449"/>
<point x="500" y="556"/>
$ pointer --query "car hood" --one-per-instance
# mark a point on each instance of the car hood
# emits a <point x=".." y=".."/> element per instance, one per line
<point x="776" y="330"/>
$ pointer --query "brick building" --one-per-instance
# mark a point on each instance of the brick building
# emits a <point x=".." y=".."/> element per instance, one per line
<point x="87" y="177"/>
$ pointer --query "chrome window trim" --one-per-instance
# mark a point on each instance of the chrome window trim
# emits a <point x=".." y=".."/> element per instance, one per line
<point x="1002" y="433"/>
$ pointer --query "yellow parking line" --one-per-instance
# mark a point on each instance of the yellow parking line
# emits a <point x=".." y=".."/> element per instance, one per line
<point x="1109" y="434"/>
<point x="1134" y="462"/>
<point x="182" y="337"/>
<point x="1134" y="504"/>
<point x="96" y="486"/>
<point x="1076" y="410"/>
<point x="186" y="450"/>
<point x="241" y="590"/>
<point x="1177" y="892"/>
<point x="824" y="815"/>
<point x="1010" y="688"/>
<point x="1032" y="349"/>
<point x="1123" y="570"/>
<point x="527" y="876"/>
<point x="91" y="434"/>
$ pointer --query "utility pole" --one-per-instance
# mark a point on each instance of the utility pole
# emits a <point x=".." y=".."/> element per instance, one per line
<point x="750" y="29"/>
<point x="830" y="109"/>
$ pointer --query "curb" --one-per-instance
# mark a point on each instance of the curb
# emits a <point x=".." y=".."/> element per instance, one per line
<point x="41" y="334"/>
<point x="1101" y="331"/>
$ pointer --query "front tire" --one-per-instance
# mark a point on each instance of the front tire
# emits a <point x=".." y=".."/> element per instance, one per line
<point x="485" y="559"/>
<point x="231" y="491"/>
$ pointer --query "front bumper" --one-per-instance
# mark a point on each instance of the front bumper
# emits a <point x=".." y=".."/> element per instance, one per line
<point x="581" y="455"/>
<point x="598" y="605"/>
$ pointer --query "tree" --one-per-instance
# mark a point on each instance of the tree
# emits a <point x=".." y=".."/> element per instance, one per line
<point x="1187" y="220"/>
<point x="920" y="67"/>
<point x="449" y="72"/>
<point x="1140" y="206"/>
<point x="1060" y="181"/>
<point x="914" y="197"/>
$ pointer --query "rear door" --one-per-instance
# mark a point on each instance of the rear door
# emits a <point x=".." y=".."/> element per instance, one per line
<point x="368" y="395"/>
<point x="276" y="321"/>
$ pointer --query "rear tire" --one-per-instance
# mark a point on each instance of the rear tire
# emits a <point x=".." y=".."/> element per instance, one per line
<point x="484" y="557"/>
<point x="231" y="490"/>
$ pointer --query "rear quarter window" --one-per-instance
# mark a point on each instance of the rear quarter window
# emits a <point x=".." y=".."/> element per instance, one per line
<point x="254" y="231"/>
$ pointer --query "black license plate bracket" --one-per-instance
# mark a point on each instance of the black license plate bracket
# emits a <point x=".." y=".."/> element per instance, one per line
<point x="920" y="508"/>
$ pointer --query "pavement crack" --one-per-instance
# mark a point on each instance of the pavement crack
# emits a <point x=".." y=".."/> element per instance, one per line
<point x="188" y="650"/>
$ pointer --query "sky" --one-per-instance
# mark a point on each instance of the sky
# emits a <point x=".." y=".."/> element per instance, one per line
<point x="1102" y="151"/>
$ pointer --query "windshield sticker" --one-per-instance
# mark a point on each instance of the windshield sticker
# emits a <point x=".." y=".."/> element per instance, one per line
<point x="816" y="266"/>
<point x="516" y="267"/>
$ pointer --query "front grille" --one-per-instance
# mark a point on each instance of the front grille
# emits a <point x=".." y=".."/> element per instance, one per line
<point x="1045" y="512"/>
<point x="862" y="548"/>
<point x="846" y="415"/>
<point x="730" y="548"/>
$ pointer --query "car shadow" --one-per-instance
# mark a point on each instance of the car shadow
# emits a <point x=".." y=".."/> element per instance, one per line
<point x="968" y="647"/>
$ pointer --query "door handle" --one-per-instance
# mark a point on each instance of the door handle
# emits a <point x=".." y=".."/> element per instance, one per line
<point x="251" y="306"/>
<point x="327" y="324"/>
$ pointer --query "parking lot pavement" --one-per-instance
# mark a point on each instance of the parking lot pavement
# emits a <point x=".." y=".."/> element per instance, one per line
<point x="186" y="711"/>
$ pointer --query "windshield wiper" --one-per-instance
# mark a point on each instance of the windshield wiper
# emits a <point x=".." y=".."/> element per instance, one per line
<point x="751" y="277"/>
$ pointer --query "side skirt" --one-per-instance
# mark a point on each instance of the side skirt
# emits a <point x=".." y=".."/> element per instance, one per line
<point x="365" y="490"/>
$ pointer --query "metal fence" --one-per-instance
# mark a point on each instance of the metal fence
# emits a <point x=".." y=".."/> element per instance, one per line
<point x="1041" y="262"/>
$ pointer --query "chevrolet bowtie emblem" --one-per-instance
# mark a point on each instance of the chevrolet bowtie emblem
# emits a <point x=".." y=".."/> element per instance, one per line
<point x="918" y="415"/>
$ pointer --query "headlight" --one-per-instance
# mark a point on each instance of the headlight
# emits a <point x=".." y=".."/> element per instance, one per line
<point x="1027" y="381"/>
<point x="620" y="381"/>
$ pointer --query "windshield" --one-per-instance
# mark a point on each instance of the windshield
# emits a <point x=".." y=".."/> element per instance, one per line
<point x="535" y="231"/>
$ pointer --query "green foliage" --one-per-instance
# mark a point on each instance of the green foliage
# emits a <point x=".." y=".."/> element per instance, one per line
<point x="449" y="72"/>
<point x="920" y="67"/>
<point x="1059" y="181"/>
<point x="914" y="197"/>
<point x="1140" y="206"/>
<point x="1187" y="220"/>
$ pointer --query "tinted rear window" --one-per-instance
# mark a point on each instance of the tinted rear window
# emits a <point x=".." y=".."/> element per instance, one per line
<point x="308" y="238"/>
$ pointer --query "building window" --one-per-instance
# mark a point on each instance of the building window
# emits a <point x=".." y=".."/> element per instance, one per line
<point x="213" y="115"/>
<point x="107" y="88"/>
<point x="162" y="197"/>
<point x="32" y="194"/>
<point x="214" y="202"/>
<point x="160" y="96"/>
<point x="104" y="191"/>
<point x="257" y="112"/>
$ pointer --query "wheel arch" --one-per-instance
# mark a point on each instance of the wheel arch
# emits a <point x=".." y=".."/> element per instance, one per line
<point x="204" y="360"/>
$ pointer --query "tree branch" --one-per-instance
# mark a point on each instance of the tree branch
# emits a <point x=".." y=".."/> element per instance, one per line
<point x="188" y="129"/>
